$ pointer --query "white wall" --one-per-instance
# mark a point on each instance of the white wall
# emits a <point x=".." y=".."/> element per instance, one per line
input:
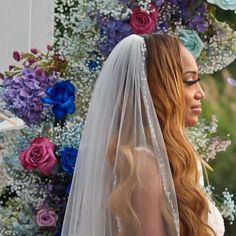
<point x="24" y="24"/>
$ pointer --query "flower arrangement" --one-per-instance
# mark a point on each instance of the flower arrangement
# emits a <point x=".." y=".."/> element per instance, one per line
<point x="86" y="32"/>
<point x="42" y="127"/>
<point x="196" y="26"/>
<point x="205" y="140"/>
<point x="24" y="88"/>
<point x="40" y="134"/>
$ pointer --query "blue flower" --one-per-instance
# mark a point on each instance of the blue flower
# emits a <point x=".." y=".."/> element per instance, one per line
<point x="93" y="65"/>
<point x="192" y="42"/>
<point x="62" y="96"/>
<point x="224" y="4"/>
<point x="68" y="159"/>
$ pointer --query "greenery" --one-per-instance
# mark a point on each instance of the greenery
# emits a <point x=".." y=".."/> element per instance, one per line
<point x="221" y="101"/>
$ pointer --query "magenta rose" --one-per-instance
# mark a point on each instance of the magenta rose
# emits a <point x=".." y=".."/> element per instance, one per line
<point x="46" y="217"/>
<point x="143" y="22"/>
<point x="40" y="155"/>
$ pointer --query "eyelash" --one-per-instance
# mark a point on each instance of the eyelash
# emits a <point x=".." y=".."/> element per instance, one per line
<point x="191" y="82"/>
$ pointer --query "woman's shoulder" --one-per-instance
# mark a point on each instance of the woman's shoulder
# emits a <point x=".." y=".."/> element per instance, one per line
<point x="148" y="167"/>
<point x="144" y="150"/>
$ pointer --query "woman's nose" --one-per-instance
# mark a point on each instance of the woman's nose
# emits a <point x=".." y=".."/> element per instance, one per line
<point x="200" y="94"/>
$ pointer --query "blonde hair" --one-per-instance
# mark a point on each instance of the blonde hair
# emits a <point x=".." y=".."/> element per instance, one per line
<point x="164" y="74"/>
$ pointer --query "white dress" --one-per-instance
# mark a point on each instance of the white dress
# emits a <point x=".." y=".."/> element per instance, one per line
<point x="215" y="219"/>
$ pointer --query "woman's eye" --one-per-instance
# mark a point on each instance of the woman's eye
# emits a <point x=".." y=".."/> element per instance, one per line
<point x="191" y="81"/>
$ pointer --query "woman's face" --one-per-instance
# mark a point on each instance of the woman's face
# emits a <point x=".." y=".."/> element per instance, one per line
<point x="192" y="89"/>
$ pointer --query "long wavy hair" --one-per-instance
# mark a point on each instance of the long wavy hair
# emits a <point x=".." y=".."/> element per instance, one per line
<point x="164" y="74"/>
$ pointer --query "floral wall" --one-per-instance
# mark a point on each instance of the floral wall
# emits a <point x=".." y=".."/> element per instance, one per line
<point x="44" y="98"/>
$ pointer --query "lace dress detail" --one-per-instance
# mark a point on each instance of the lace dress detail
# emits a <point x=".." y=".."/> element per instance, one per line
<point x="215" y="219"/>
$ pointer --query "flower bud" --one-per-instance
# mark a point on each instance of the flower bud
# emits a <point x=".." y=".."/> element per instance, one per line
<point x="34" y="50"/>
<point x="16" y="56"/>
<point x="49" y="47"/>
<point x="39" y="71"/>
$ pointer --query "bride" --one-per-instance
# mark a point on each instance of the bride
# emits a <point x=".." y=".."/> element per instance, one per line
<point x="137" y="173"/>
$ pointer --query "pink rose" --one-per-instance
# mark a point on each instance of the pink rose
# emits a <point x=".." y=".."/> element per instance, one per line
<point x="40" y="155"/>
<point x="46" y="217"/>
<point x="143" y="22"/>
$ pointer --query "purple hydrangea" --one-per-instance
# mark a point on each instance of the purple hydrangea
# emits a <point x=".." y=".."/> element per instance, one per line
<point x="199" y="24"/>
<point x="173" y="2"/>
<point x="125" y="1"/>
<point x="112" y="31"/>
<point x="159" y="2"/>
<point x="202" y="9"/>
<point x="23" y="94"/>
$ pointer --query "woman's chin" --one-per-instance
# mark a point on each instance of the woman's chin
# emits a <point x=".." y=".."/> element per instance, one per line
<point x="191" y="121"/>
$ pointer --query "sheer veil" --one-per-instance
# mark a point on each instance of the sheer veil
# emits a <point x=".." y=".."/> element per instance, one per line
<point x="121" y="107"/>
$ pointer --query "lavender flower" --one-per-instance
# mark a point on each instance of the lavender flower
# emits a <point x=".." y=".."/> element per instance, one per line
<point x="23" y="93"/>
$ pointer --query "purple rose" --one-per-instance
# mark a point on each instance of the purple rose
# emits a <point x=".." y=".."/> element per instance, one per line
<point x="46" y="217"/>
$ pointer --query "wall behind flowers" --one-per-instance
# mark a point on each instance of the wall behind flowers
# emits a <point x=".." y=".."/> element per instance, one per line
<point x="24" y="24"/>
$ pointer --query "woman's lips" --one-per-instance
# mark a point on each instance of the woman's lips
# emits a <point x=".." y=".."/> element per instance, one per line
<point x="196" y="109"/>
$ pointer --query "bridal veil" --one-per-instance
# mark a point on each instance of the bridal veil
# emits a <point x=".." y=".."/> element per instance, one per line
<point x="121" y="109"/>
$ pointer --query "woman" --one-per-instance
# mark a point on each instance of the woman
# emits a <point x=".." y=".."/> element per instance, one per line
<point x="137" y="172"/>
